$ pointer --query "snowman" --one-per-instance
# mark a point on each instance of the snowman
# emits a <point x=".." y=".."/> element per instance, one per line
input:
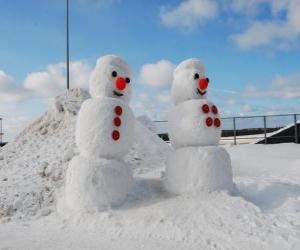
<point x="197" y="162"/>
<point x="98" y="178"/>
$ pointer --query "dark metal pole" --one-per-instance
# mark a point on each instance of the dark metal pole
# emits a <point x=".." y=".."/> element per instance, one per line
<point x="234" y="130"/>
<point x="1" y="130"/>
<point x="296" y="128"/>
<point x="265" y="128"/>
<point x="67" y="44"/>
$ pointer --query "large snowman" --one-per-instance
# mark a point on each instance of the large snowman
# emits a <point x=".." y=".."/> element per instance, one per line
<point x="197" y="162"/>
<point x="98" y="178"/>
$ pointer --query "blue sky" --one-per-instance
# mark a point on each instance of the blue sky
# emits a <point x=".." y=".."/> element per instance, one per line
<point x="250" y="49"/>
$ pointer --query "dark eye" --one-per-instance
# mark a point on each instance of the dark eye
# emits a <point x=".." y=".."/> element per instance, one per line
<point x="196" y="76"/>
<point x="127" y="80"/>
<point x="114" y="73"/>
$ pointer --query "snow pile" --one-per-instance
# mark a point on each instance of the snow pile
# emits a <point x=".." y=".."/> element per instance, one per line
<point x="146" y="121"/>
<point x="33" y="166"/>
<point x="265" y="215"/>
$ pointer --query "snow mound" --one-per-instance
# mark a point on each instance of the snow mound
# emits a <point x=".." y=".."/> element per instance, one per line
<point x="33" y="166"/>
<point x="146" y="121"/>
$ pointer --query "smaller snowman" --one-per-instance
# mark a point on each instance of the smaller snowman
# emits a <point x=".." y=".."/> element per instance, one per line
<point x="197" y="162"/>
<point x="98" y="178"/>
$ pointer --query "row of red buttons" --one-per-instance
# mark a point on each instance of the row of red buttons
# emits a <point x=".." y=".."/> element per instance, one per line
<point x="209" y="122"/>
<point x="117" y="122"/>
<point x="205" y="109"/>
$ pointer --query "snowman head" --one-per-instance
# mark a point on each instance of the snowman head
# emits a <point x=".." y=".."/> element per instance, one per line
<point x="111" y="78"/>
<point x="189" y="81"/>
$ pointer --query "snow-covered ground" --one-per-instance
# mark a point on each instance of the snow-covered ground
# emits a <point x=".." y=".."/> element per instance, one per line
<point x="263" y="213"/>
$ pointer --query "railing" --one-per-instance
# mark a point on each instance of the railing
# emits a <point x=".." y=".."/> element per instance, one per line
<point x="246" y="129"/>
<point x="253" y="129"/>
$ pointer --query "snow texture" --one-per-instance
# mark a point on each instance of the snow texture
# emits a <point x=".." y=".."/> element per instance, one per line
<point x="184" y="86"/>
<point x="264" y="214"/>
<point x="102" y="81"/>
<point x="33" y="166"/>
<point x="194" y="169"/>
<point x="95" y="184"/>
<point x="146" y="121"/>
<point x="187" y="125"/>
<point x="95" y="126"/>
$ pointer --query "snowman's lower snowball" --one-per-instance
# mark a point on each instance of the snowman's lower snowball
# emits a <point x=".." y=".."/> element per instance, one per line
<point x="192" y="169"/>
<point x="96" y="184"/>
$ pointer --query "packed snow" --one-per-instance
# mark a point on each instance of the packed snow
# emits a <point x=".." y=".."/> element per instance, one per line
<point x="95" y="184"/>
<point x="263" y="212"/>
<point x="192" y="169"/>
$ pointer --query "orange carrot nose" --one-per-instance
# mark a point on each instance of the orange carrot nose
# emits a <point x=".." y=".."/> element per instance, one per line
<point x="120" y="83"/>
<point x="203" y="83"/>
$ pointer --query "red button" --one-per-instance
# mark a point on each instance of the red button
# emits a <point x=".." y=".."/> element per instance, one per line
<point x="115" y="135"/>
<point x="209" y="122"/>
<point x="117" y="121"/>
<point x="214" y="109"/>
<point x="205" y="108"/>
<point x="217" y="122"/>
<point x="118" y="110"/>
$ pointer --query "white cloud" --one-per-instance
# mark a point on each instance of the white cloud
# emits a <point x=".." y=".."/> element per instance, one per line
<point x="280" y="27"/>
<point x="157" y="74"/>
<point x="155" y="107"/>
<point x="189" y="13"/>
<point x="281" y="30"/>
<point x="247" y="108"/>
<point x="164" y="97"/>
<point x="9" y="90"/>
<point x="230" y="101"/>
<point x="242" y="5"/>
<point x="52" y="81"/>
<point x="44" y="84"/>
<point x="282" y="87"/>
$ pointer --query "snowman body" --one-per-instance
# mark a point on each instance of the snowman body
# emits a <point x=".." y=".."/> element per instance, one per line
<point x="194" y="122"/>
<point x="104" y="128"/>
<point x="197" y="162"/>
<point x="98" y="178"/>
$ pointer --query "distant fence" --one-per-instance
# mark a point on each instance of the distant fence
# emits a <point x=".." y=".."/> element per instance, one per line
<point x="244" y="129"/>
<point x="253" y="129"/>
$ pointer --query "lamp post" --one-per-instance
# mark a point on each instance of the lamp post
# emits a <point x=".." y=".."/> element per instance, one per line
<point x="67" y="45"/>
<point x="1" y="134"/>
